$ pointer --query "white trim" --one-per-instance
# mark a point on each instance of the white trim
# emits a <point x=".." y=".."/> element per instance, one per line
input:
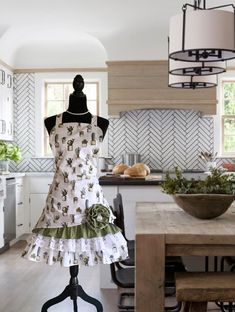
<point x="217" y="119"/>
<point x="41" y="78"/>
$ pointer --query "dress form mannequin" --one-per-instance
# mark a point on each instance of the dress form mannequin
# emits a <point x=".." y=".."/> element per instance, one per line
<point x="77" y="110"/>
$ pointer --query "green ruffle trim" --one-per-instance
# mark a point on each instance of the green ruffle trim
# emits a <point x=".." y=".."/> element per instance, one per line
<point x="76" y="232"/>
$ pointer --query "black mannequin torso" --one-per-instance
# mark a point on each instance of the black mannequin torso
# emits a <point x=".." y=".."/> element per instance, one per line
<point x="77" y="105"/>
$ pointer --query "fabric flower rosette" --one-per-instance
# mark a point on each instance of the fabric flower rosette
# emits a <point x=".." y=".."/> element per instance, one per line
<point x="97" y="217"/>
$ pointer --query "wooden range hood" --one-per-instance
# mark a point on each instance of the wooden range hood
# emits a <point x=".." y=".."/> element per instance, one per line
<point x="144" y="85"/>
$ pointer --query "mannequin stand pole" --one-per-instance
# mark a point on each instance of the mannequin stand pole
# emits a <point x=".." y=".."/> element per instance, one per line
<point x="73" y="290"/>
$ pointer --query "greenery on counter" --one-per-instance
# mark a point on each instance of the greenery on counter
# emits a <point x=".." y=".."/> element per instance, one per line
<point x="215" y="183"/>
<point x="9" y="151"/>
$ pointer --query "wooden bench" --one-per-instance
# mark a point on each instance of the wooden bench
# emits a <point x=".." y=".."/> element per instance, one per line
<point x="198" y="288"/>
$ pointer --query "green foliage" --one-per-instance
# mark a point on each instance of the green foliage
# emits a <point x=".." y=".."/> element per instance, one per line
<point x="215" y="183"/>
<point x="9" y="151"/>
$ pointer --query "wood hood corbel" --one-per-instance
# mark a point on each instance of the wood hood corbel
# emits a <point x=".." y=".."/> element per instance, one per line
<point x="144" y="85"/>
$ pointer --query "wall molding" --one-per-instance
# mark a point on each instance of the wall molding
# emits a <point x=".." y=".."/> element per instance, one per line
<point x="6" y="65"/>
<point x="136" y="62"/>
<point x="61" y="70"/>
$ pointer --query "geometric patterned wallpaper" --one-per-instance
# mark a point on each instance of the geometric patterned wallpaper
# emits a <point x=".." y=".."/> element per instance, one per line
<point x="164" y="138"/>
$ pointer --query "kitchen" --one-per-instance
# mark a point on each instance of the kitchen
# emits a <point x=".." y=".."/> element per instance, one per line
<point x="121" y="52"/>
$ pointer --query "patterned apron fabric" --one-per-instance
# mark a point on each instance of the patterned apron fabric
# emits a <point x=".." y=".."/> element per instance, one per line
<point x="76" y="225"/>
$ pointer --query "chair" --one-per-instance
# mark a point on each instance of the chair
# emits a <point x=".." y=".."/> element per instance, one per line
<point x="196" y="289"/>
<point x="124" y="277"/>
<point x="119" y="221"/>
<point x="118" y="207"/>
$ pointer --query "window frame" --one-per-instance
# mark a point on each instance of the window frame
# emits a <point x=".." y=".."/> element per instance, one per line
<point x="40" y="78"/>
<point x="223" y="117"/>
<point x="66" y="82"/>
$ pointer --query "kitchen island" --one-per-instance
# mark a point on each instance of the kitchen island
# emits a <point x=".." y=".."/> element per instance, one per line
<point x="163" y="229"/>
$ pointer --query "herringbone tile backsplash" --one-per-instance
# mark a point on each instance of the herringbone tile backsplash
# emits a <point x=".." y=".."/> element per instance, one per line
<point x="164" y="138"/>
<point x="24" y="127"/>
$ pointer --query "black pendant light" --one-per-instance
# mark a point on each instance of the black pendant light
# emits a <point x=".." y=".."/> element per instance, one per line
<point x="202" y="34"/>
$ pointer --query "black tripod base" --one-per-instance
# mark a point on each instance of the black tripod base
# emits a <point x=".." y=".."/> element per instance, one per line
<point x="73" y="290"/>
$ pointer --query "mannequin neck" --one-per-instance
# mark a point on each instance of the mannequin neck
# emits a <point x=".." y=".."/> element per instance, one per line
<point x="77" y="104"/>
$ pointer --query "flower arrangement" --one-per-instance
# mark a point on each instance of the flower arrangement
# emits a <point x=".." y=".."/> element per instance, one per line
<point x="9" y="151"/>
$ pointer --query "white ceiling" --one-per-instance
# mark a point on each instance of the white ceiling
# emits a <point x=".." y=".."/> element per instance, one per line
<point x="84" y="33"/>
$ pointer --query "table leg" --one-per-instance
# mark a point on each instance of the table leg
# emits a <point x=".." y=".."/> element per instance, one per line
<point x="150" y="273"/>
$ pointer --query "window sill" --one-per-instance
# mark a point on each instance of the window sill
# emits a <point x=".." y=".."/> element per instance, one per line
<point x="42" y="157"/>
<point x="225" y="156"/>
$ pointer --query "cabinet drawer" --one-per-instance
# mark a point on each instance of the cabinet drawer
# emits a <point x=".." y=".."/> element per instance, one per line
<point x="19" y="190"/>
<point x="39" y="185"/>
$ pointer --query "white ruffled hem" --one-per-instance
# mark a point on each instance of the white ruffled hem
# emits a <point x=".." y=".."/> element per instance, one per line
<point x="83" y="251"/>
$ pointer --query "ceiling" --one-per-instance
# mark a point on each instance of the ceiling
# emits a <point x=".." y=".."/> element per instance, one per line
<point x="84" y="33"/>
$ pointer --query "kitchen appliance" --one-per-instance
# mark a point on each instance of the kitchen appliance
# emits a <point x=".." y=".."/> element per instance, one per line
<point x="9" y="212"/>
<point x="131" y="158"/>
<point x="2" y="197"/>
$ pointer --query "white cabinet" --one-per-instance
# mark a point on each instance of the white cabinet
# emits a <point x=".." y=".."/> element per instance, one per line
<point x="37" y="203"/>
<point x="38" y="188"/>
<point x="109" y="193"/>
<point x="131" y="195"/>
<point x="21" y="220"/>
<point x="6" y="104"/>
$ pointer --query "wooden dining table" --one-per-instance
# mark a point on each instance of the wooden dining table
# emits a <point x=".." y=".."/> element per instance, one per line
<point x="163" y="229"/>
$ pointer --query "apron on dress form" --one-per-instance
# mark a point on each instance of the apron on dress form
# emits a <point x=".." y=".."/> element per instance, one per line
<point x="62" y="233"/>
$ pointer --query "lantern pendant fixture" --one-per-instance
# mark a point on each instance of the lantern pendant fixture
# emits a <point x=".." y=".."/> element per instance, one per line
<point x="202" y="34"/>
<point x="192" y="82"/>
<point x="196" y="68"/>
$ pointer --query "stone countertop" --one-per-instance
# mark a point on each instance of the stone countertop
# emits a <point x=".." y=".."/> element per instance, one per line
<point x="40" y="174"/>
<point x="111" y="180"/>
<point x="157" y="179"/>
<point x="13" y="175"/>
<point x="117" y="181"/>
<point x="28" y="174"/>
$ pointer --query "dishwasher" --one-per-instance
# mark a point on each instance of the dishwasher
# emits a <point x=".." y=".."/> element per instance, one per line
<point x="9" y="211"/>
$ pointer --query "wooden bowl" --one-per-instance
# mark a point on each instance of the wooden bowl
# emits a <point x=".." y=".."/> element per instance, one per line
<point x="204" y="206"/>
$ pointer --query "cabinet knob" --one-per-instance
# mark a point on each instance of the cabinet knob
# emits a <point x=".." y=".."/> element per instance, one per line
<point x="3" y="126"/>
<point x="20" y="203"/>
<point x="3" y="76"/>
<point x="20" y="224"/>
<point x="9" y="78"/>
<point x="10" y="131"/>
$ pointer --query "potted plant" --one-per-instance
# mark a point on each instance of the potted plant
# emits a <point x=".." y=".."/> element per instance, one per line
<point x="204" y="199"/>
<point x="8" y="151"/>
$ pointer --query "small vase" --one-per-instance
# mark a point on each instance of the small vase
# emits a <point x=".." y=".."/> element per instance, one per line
<point x="4" y="166"/>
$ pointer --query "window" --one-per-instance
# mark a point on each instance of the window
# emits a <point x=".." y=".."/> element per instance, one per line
<point x="57" y="100"/>
<point x="228" y="118"/>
